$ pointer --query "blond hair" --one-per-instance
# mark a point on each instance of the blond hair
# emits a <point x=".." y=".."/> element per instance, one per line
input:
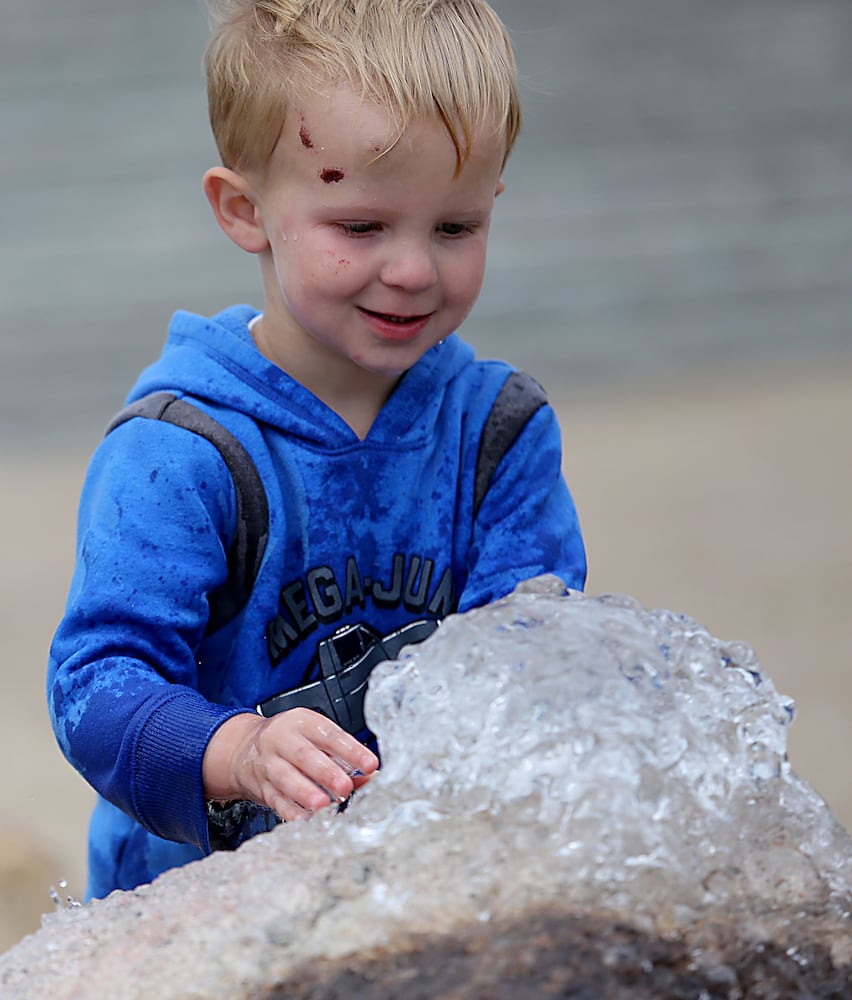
<point x="450" y="59"/>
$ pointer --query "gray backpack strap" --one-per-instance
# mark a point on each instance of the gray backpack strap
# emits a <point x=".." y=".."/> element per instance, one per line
<point x="520" y="398"/>
<point x="249" y="543"/>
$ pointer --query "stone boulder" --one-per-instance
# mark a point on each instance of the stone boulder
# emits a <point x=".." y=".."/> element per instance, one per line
<point x="579" y="797"/>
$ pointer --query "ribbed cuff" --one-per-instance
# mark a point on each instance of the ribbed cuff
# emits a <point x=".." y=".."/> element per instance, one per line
<point x="167" y="779"/>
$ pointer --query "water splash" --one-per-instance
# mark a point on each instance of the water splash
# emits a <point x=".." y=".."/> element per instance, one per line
<point x="629" y="750"/>
<point x="63" y="901"/>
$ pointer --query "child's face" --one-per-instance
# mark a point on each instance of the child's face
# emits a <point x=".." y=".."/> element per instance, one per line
<point x="370" y="262"/>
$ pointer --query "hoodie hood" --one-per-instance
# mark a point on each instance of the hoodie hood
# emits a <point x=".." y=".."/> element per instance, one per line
<point x="216" y="361"/>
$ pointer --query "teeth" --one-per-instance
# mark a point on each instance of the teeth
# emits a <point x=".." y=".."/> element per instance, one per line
<point x="394" y="318"/>
<point x="391" y="317"/>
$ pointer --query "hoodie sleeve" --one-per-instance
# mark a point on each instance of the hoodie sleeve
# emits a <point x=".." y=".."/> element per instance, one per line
<point x="527" y="524"/>
<point x="156" y="511"/>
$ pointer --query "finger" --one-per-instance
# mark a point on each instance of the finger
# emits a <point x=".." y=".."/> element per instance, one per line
<point x="345" y="766"/>
<point x="342" y="748"/>
<point x="333" y="777"/>
<point x="298" y="736"/>
<point x="292" y="794"/>
<point x="359" y="780"/>
<point x="290" y="812"/>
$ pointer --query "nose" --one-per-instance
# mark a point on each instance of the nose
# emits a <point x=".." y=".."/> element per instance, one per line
<point x="410" y="265"/>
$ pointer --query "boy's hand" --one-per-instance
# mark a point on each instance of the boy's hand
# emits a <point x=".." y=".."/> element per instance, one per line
<point x="295" y="762"/>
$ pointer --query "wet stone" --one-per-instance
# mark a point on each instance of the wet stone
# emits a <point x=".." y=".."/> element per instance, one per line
<point x="579" y="797"/>
<point x="553" y="954"/>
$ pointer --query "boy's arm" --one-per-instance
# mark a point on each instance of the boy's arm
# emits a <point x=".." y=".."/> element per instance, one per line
<point x="527" y="524"/>
<point x="123" y="681"/>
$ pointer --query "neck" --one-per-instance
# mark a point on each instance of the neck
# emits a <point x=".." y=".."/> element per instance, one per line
<point x="355" y="395"/>
<point x="359" y="414"/>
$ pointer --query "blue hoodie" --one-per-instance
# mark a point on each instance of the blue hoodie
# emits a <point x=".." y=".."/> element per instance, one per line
<point x="379" y="532"/>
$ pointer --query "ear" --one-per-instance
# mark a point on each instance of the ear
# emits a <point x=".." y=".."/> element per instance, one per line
<point x="501" y="187"/>
<point x="234" y="204"/>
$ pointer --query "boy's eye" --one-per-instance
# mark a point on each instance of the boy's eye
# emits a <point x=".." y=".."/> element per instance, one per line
<point x="454" y="228"/>
<point x="358" y="228"/>
<point x="355" y="229"/>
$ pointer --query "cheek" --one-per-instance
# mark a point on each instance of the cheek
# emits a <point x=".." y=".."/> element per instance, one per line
<point x="317" y="278"/>
<point x="337" y="264"/>
<point x="340" y="271"/>
<point x="465" y="274"/>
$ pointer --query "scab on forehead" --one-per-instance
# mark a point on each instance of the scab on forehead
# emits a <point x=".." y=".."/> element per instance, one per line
<point x="331" y="175"/>
<point x="305" y="136"/>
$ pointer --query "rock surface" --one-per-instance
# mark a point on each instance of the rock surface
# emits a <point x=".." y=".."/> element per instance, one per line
<point x="579" y="797"/>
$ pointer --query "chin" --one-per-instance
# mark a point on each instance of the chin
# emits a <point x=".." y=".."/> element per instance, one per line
<point x="387" y="372"/>
<point x="391" y="368"/>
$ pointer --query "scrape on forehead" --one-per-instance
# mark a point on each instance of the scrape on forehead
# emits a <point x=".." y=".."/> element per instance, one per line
<point x="305" y="136"/>
<point x="364" y="128"/>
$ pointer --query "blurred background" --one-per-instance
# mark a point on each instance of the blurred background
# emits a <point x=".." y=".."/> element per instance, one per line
<point x="671" y="259"/>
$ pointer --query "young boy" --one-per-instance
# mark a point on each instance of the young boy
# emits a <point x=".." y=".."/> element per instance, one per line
<point x="362" y="146"/>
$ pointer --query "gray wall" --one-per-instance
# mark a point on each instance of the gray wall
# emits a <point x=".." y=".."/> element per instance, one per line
<point x="682" y="192"/>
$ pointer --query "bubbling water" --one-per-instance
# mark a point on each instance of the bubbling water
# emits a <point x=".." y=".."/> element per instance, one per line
<point x="633" y="755"/>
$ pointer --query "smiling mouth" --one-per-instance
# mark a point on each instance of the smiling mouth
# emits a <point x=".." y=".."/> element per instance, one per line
<point x="392" y="318"/>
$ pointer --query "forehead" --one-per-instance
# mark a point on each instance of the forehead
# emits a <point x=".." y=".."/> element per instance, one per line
<point x="338" y="130"/>
<point x="341" y="120"/>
